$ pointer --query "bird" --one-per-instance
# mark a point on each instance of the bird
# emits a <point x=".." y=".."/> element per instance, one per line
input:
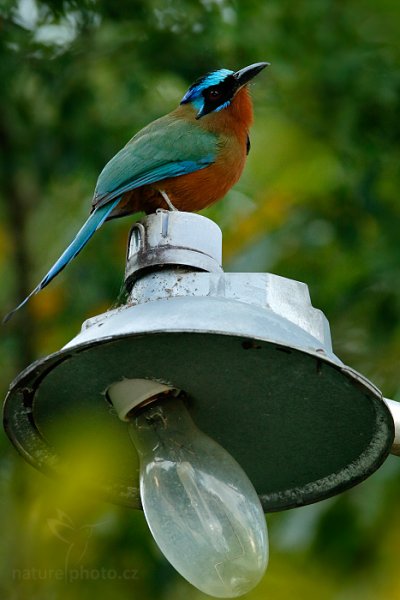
<point x="186" y="160"/>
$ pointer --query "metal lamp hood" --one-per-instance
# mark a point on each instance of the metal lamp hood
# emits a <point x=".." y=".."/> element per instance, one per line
<point x="252" y="355"/>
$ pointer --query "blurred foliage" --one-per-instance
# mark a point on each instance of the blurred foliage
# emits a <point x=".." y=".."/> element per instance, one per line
<point x="318" y="203"/>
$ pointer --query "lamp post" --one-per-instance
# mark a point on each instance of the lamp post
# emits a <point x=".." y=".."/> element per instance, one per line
<point x="246" y="358"/>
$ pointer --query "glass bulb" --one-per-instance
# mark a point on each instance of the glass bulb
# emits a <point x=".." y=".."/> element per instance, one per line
<point x="201" y="507"/>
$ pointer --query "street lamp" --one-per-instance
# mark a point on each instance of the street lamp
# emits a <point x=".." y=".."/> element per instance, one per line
<point x="231" y="393"/>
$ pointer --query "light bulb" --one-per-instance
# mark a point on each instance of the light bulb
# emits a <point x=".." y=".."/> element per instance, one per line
<point x="201" y="507"/>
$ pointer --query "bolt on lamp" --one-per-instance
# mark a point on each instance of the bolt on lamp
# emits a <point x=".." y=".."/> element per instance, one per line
<point x="231" y="394"/>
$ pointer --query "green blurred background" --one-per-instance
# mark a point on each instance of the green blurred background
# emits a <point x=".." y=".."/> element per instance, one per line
<point x="318" y="202"/>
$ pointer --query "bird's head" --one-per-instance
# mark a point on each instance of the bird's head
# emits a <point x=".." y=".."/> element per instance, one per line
<point x="216" y="90"/>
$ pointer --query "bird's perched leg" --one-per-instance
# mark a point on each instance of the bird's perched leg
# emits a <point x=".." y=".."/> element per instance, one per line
<point x="167" y="200"/>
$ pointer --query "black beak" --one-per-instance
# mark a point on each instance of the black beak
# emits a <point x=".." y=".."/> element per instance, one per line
<point x="243" y="76"/>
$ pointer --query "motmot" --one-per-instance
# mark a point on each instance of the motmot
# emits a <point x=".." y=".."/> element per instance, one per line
<point x="185" y="160"/>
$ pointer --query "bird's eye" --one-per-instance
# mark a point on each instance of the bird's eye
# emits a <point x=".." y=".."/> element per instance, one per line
<point x="214" y="94"/>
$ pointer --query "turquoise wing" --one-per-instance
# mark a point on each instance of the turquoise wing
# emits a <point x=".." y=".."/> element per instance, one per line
<point x="168" y="147"/>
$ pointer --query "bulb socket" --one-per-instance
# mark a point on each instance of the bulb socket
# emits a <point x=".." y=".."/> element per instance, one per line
<point x="129" y="395"/>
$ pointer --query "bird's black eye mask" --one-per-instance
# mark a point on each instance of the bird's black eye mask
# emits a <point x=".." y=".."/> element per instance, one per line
<point x="218" y="96"/>
<point x="212" y="97"/>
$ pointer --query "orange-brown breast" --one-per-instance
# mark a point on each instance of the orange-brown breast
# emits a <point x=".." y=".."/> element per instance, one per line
<point x="202" y="188"/>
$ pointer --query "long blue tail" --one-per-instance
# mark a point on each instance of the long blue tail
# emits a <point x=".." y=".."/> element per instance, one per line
<point x="95" y="221"/>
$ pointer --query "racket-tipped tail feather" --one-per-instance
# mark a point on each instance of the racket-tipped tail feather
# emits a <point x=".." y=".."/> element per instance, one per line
<point x="95" y="220"/>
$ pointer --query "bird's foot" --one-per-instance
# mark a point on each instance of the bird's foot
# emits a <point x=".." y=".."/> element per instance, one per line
<point x="167" y="200"/>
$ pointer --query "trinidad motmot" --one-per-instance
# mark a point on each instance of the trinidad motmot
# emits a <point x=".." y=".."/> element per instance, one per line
<point x="186" y="160"/>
